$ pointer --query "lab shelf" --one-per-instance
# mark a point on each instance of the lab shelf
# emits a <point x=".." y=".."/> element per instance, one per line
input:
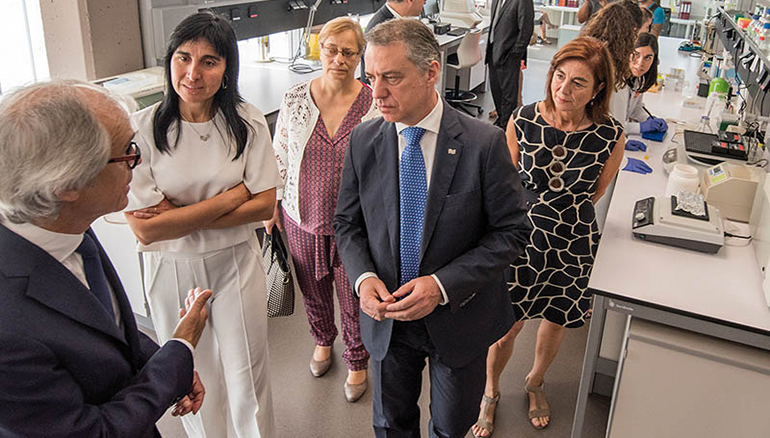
<point x="730" y="34"/>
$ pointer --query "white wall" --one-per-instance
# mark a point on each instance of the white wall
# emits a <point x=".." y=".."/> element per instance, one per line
<point x="92" y="39"/>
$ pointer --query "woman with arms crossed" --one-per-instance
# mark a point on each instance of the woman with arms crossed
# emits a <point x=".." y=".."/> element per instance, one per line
<point x="208" y="176"/>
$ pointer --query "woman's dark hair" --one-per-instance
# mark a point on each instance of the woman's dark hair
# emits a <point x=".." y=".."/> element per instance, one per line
<point x="593" y="53"/>
<point x="636" y="12"/>
<point x="614" y="24"/>
<point x="217" y="31"/>
<point x="643" y="83"/>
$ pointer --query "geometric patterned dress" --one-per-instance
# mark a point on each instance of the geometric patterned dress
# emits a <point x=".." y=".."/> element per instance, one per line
<point x="549" y="280"/>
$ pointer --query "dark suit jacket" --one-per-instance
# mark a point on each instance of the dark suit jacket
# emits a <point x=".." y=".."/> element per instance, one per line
<point x="513" y="31"/>
<point x="475" y="226"/>
<point x="382" y="14"/>
<point x="65" y="367"/>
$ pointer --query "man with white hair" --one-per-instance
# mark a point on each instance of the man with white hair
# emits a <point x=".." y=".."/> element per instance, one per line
<point x="72" y="362"/>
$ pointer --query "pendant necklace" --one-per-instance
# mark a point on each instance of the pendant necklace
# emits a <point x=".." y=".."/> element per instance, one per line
<point x="203" y="137"/>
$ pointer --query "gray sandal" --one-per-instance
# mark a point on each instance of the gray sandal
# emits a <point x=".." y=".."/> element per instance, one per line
<point x="541" y="404"/>
<point x="482" y="422"/>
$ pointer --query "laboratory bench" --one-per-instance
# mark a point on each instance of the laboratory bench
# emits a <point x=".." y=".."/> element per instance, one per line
<point x="680" y="293"/>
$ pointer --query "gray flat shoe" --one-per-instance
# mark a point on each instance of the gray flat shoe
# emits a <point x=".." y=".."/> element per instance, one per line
<point x="319" y="368"/>
<point x="354" y="392"/>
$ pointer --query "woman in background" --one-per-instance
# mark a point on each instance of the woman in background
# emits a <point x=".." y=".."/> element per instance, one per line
<point x="644" y="74"/>
<point x="208" y="175"/>
<point x="617" y="25"/>
<point x="567" y="149"/>
<point x="311" y="135"/>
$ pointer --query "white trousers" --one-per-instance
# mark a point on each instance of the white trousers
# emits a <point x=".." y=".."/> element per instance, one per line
<point x="231" y="357"/>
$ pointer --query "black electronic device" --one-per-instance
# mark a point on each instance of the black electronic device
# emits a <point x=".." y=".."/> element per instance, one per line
<point x="727" y="149"/>
<point x="730" y="137"/>
<point x="441" y="28"/>
<point x="457" y="31"/>
<point x="703" y="88"/>
<point x="710" y="149"/>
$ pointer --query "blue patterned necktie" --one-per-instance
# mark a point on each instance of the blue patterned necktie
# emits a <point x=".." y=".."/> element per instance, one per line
<point x="97" y="281"/>
<point x="413" y="189"/>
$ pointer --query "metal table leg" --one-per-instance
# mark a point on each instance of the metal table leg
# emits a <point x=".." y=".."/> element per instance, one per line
<point x="593" y="344"/>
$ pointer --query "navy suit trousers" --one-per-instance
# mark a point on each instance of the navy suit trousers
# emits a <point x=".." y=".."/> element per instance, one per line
<point x="455" y="393"/>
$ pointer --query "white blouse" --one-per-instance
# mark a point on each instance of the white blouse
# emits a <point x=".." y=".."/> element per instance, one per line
<point x="197" y="170"/>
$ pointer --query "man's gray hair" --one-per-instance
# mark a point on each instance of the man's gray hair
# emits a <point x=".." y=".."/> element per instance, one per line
<point x="421" y="46"/>
<point x="51" y="141"/>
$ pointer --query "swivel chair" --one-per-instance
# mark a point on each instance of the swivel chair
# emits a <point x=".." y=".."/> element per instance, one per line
<point x="468" y="54"/>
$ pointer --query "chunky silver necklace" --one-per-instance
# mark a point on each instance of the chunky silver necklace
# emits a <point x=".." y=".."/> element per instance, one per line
<point x="203" y="137"/>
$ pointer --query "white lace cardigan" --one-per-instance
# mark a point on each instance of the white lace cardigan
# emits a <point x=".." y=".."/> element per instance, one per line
<point x="296" y="121"/>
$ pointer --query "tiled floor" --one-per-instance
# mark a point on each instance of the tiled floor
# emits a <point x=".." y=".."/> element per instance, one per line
<point x="315" y="407"/>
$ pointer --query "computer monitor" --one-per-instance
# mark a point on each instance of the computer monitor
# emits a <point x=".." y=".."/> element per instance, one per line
<point x="460" y="13"/>
<point x="431" y="9"/>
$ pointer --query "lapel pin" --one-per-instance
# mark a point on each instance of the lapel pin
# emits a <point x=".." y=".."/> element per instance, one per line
<point x="452" y="151"/>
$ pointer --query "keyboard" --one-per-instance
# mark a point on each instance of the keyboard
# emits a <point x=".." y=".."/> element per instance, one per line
<point x="457" y="31"/>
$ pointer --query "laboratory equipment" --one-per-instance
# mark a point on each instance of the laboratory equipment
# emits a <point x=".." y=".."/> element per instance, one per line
<point x="669" y="159"/>
<point x="460" y="13"/>
<point x="144" y="86"/>
<point x="732" y="189"/>
<point x="682" y="178"/>
<point x="656" y="219"/>
<point x="707" y="148"/>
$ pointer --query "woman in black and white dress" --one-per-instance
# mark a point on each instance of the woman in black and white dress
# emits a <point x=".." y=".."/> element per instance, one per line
<point x="567" y="148"/>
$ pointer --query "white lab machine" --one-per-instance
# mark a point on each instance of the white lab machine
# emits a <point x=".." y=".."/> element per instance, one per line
<point x="657" y="220"/>
<point x="460" y="13"/>
<point x="732" y="189"/>
<point x="144" y="86"/>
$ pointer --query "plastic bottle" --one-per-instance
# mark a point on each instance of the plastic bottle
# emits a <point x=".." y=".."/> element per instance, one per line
<point x="750" y="31"/>
<point x="764" y="39"/>
<point x="760" y="26"/>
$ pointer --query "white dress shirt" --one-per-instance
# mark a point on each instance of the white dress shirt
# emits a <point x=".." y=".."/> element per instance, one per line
<point x="62" y="247"/>
<point x="432" y="124"/>
<point x="393" y="11"/>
